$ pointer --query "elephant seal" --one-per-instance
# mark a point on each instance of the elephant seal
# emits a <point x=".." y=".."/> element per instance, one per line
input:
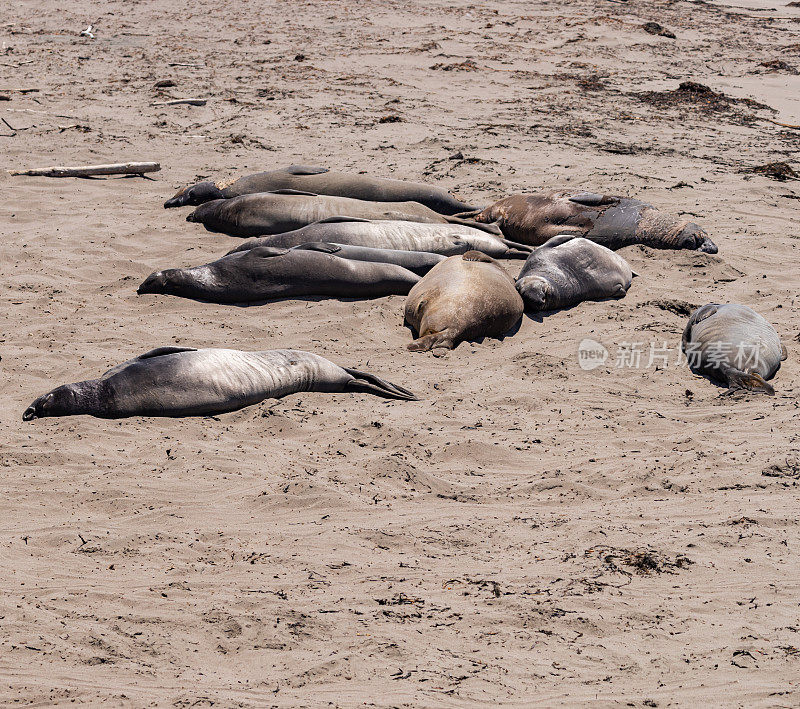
<point x="445" y="239"/>
<point x="611" y="221"/>
<point x="463" y="298"/>
<point x="320" y="180"/>
<point x="733" y="345"/>
<point x="567" y="270"/>
<point x="285" y="210"/>
<point x="182" y="381"/>
<point x="419" y="262"/>
<point x="265" y="272"/>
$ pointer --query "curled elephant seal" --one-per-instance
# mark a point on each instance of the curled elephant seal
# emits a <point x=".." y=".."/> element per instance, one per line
<point x="733" y="345"/>
<point x="419" y="262"/>
<point x="566" y="270"/>
<point x="286" y="210"/>
<point x="445" y="239"/>
<point x="320" y="180"/>
<point x="265" y="272"/>
<point x="611" y="221"/>
<point x="182" y="381"/>
<point x="463" y="298"/>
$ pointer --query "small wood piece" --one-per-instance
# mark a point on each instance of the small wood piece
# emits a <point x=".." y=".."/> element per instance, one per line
<point x="188" y="101"/>
<point x="128" y="168"/>
<point x="785" y="125"/>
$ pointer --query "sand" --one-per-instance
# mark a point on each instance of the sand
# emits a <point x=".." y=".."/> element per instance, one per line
<point x="529" y="533"/>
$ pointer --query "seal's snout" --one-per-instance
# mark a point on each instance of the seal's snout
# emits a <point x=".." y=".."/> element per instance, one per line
<point x="200" y="193"/>
<point x="39" y="408"/>
<point x="154" y="283"/>
<point x="533" y="290"/>
<point x="707" y="246"/>
<point x="192" y="217"/>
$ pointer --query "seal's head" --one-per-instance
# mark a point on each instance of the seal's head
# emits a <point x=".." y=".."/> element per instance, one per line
<point x="168" y="282"/>
<point x="195" y="194"/>
<point x="695" y="238"/>
<point x="535" y="291"/>
<point x="66" y="400"/>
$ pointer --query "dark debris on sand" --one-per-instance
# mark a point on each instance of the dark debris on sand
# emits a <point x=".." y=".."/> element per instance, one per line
<point x="701" y="98"/>
<point x="656" y="29"/>
<point x="780" y="171"/>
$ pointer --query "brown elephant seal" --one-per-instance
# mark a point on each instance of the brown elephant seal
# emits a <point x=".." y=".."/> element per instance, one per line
<point x="733" y="345"/>
<point x="320" y="180"/>
<point x="445" y="239"/>
<point x="419" y="262"/>
<point x="463" y="298"/>
<point x="182" y="381"/>
<point x="286" y="210"/>
<point x="611" y="221"/>
<point x="265" y="273"/>
<point x="566" y="270"/>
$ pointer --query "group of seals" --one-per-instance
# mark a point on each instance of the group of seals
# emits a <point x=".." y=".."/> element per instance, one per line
<point x="182" y="381"/>
<point x="320" y="180"/>
<point x="335" y="234"/>
<point x="611" y="221"/>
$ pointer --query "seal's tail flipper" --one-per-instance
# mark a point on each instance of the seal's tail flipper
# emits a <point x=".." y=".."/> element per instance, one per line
<point x="471" y="214"/>
<point x="369" y="383"/>
<point x="492" y="228"/>
<point x="442" y="339"/>
<point x="516" y="249"/>
<point x="750" y="382"/>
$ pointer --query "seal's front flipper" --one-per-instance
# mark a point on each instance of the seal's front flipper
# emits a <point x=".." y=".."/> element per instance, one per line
<point x="750" y="382"/>
<point x="591" y="199"/>
<point x="477" y="256"/>
<point x="305" y="170"/>
<point x="441" y="339"/>
<point x="365" y="382"/>
<point x="784" y="353"/>
<point x="296" y="192"/>
<point x="558" y="240"/>
<point x="318" y="246"/>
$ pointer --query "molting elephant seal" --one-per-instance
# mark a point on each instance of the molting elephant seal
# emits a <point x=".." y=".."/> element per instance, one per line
<point x="733" y="345"/>
<point x="462" y="298"/>
<point x="181" y="381"/>
<point x="320" y="180"/>
<point x="566" y="270"/>
<point x="611" y="221"/>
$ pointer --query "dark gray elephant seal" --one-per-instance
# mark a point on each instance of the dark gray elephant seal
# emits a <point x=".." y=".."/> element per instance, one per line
<point x="445" y="239"/>
<point x="320" y="180"/>
<point x="611" y="221"/>
<point x="264" y="273"/>
<point x="419" y="262"/>
<point x="463" y="298"/>
<point x="733" y="345"/>
<point x="566" y="270"/>
<point x="285" y="210"/>
<point x="181" y="381"/>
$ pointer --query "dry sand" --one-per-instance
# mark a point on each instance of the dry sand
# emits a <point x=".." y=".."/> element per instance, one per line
<point x="529" y="533"/>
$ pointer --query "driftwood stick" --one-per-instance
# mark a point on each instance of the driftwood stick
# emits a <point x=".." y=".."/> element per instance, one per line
<point x="785" y="125"/>
<point x="179" y="101"/>
<point x="19" y="91"/>
<point x="127" y="168"/>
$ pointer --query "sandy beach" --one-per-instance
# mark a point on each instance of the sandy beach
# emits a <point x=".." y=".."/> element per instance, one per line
<point x="529" y="533"/>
